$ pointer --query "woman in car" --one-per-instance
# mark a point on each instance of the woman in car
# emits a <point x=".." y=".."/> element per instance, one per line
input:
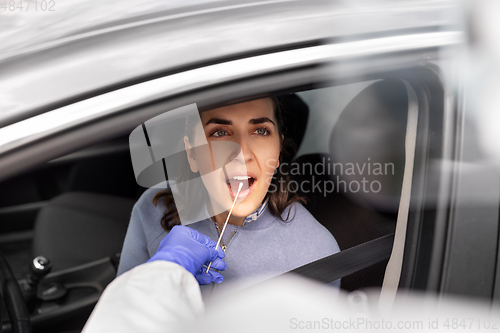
<point x="269" y="231"/>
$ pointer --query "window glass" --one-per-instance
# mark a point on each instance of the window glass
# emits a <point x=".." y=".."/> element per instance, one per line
<point x="325" y="107"/>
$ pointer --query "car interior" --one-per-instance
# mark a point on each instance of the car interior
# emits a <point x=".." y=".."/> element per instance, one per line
<point x="74" y="210"/>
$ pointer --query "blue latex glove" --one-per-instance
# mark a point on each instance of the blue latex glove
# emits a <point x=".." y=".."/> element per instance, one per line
<point x="191" y="249"/>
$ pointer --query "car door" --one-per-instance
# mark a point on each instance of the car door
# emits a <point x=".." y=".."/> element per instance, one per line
<point x="414" y="55"/>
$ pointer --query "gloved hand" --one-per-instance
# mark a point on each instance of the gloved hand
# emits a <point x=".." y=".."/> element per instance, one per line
<point x="191" y="249"/>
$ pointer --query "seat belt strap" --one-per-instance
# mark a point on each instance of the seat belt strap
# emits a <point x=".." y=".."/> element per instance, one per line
<point x="347" y="262"/>
<point x="395" y="265"/>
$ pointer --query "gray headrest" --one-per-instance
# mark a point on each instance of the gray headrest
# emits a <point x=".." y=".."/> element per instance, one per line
<point x="367" y="145"/>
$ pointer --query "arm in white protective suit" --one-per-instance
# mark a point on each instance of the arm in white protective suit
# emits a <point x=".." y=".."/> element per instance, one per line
<point x="163" y="293"/>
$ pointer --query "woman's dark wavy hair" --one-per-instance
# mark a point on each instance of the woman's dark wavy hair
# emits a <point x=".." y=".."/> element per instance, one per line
<point x="279" y="199"/>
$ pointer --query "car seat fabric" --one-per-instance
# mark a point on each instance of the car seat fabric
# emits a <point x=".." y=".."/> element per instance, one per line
<point x="350" y="223"/>
<point x="373" y="125"/>
<point x="76" y="228"/>
<point x="369" y="133"/>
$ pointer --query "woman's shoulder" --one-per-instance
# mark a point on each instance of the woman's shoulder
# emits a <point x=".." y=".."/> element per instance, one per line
<point x="146" y="209"/>
<point x="297" y="214"/>
<point x="147" y="216"/>
<point x="146" y="199"/>
<point x="305" y="239"/>
<point x="299" y="221"/>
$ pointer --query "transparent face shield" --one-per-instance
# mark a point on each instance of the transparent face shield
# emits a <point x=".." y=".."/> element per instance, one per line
<point x="171" y="151"/>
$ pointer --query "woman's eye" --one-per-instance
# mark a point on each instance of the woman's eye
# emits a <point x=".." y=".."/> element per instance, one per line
<point x="219" y="133"/>
<point x="261" y="131"/>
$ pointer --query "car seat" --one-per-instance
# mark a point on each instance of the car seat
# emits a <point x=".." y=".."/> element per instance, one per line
<point x="370" y="130"/>
<point x="76" y="228"/>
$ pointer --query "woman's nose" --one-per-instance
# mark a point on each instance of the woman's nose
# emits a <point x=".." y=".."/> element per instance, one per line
<point x="245" y="153"/>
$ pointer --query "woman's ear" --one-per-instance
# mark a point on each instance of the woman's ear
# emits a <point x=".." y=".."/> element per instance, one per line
<point x="190" y="155"/>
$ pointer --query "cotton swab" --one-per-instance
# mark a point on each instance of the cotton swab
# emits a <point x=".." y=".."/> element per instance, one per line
<point x="225" y="223"/>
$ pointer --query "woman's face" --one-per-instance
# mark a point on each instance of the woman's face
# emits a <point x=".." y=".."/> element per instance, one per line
<point x="253" y="126"/>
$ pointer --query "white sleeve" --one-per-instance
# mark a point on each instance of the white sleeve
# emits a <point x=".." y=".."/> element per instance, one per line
<point x="152" y="297"/>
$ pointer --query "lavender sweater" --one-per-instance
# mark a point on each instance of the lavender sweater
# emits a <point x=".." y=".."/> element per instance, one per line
<point x="258" y="250"/>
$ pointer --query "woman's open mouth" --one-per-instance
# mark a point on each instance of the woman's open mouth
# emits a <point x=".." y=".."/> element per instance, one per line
<point x="234" y="182"/>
